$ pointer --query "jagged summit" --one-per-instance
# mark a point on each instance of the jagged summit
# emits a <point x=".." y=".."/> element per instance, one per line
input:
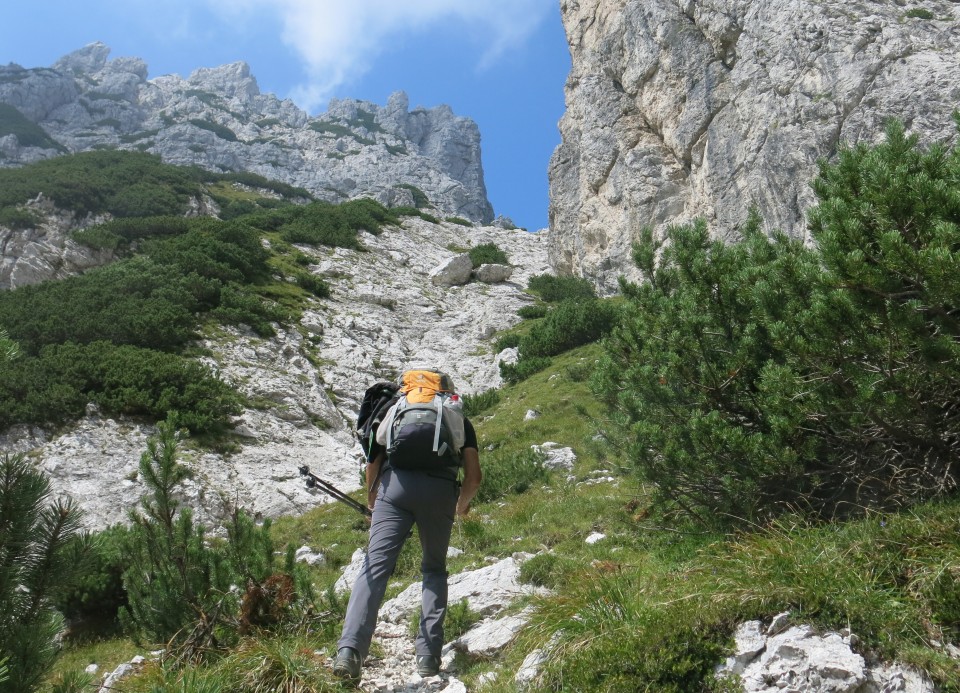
<point x="217" y="118"/>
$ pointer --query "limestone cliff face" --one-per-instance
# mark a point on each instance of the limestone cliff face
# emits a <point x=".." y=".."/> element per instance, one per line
<point x="217" y="119"/>
<point x="678" y="109"/>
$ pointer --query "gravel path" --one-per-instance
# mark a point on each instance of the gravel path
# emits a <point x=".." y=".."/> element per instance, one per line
<point x="395" y="669"/>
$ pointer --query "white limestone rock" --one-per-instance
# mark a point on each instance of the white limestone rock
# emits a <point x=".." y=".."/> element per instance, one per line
<point x="492" y="273"/>
<point x="453" y="272"/>
<point x="678" y="110"/>
<point x="490" y="636"/>
<point x="307" y="555"/>
<point x="802" y="659"/>
<point x="530" y="668"/>
<point x="349" y="575"/>
<point x="45" y="251"/>
<point x="556" y="457"/>
<point x="488" y="590"/>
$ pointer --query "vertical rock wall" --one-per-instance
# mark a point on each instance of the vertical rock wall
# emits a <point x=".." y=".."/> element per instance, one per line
<point x="678" y="109"/>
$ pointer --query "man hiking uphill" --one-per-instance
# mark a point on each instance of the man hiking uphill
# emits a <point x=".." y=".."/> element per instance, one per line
<point x="421" y="444"/>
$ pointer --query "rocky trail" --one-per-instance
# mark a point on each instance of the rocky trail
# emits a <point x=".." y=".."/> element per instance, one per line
<point x="493" y="591"/>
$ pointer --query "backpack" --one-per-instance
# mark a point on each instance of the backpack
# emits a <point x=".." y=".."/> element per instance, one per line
<point x="377" y="400"/>
<point x="427" y="429"/>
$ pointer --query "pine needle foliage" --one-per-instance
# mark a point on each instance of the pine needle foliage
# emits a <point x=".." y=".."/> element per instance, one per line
<point x="9" y="349"/>
<point x="170" y="567"/>
<point x="487" y="253"/>
<point x="41" y="549"/>
<point x="766" y="375"/>
<point x="180" y="583"/>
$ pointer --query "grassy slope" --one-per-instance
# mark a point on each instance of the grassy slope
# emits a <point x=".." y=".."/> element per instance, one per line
<point x="652" y="607"/>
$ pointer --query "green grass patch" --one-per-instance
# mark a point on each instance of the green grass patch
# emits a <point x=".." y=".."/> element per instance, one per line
<point x="107" y="654"/>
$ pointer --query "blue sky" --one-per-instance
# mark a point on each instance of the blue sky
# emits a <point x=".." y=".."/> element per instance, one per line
<point x="501" y="62"/>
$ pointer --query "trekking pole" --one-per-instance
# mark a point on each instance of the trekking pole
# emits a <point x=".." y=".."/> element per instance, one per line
<point x="313" y="481"/>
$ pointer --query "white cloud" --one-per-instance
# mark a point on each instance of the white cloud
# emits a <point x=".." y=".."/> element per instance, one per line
<point x="339" y="40"/>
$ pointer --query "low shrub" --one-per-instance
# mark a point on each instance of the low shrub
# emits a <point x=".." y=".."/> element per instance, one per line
<point x="564" y="326"/>
<point x="221" y="131"/>
<point x="322" y="223"/>
<point x="567" y="325"/>
<point x="487" y="253"/>
<point x="480" y="402"/>
<point x="507" y="341"/>
<point x="510" y="473"/>
<point x="533" y="312"/>
<point x="98" y="594"/>
<point x="120" y="233"/>
<point x="313" y="284"/>
<point x="514" y="373"/>
<point x="57" y="384"/>
<point x="28" y="133"/>
<point x="18" y="218"/>
<point x="121" y="183"/>
<point x="554" y="289"/>
<point x="420" y="199"/>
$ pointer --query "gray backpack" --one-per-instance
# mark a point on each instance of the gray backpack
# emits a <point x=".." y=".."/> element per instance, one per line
<point x="426" y="434"/>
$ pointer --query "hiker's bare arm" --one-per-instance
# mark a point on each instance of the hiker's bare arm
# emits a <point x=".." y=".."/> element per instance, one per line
<point x="373" y="479"/>
<point x="472" y="476"/>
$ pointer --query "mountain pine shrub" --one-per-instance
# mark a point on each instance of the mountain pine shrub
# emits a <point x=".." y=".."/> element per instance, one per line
<point x="97" y="594"/>
<point x="511" y="473"/>
<point x="9" y="349"/>
<point x="487" y="253"/>
<point x="28" y="133"/>
<point x="884" y="339"/>
<point x="122" y="183"/>
<point x="554" y="289"/>
<point x="750" y="378"/>
<point x="322" y="223"/>
<point x="190" y="590"/>
<point x="41" y="549"/>
<point x="570" y="323"/>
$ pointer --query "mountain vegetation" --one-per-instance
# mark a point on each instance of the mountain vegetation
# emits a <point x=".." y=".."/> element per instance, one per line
<point x="117" y="335"/>
<point x="761" y="426"/>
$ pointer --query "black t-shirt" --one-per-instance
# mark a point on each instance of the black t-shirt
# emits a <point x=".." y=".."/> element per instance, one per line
<point x="469" y="435"/>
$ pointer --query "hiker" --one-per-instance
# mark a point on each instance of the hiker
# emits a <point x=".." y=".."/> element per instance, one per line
<point x="422" y="443"/>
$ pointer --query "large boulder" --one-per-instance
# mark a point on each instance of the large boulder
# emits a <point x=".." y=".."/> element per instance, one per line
<point x="453" y="272"/>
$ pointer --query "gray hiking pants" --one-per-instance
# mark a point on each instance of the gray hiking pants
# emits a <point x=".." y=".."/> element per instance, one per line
<point x="405" y="497"/>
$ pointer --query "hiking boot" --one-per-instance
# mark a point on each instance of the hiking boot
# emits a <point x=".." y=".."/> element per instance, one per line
<point x="428" y="665"/>
<point x="347" y="664"/>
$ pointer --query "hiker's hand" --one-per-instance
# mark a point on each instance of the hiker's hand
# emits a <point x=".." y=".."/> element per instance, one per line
<point x="463" y="509"/>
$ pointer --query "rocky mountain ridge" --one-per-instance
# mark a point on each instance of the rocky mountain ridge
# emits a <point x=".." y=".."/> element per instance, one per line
<point x="218" y="119"/>
<point x="679" y="109"/>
